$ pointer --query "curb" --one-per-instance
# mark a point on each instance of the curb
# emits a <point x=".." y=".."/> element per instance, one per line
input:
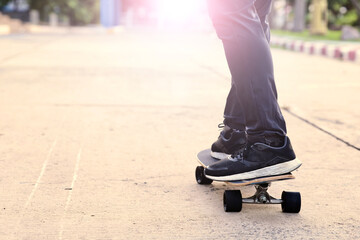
<point x="342" y="52"/>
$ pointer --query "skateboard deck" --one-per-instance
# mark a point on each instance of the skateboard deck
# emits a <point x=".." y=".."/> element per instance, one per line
<point x="205" y="159"/>
<point x="233" y="200"/>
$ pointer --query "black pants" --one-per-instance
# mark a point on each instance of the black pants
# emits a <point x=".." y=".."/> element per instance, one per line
<point x="252" y="101"/>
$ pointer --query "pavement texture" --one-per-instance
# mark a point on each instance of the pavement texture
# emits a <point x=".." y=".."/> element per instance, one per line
<point x="99" y="135"/>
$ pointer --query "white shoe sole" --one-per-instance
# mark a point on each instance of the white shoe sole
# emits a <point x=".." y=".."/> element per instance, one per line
<point x="219" y="155"/>
<point x="278" y="169"/>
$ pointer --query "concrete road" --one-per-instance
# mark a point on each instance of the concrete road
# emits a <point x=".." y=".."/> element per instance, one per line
<point x="99" y="135"/>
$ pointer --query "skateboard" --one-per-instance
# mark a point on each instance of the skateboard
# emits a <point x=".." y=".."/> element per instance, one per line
<point x="233" y="200"/>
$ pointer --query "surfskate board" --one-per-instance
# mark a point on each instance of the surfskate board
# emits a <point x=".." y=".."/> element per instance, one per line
<point x="233" y="200"/>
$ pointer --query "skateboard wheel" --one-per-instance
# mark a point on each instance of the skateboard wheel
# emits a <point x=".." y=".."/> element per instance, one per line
<point x="291" y="202"/>
<point x="232" y="201"/>
<point x="200" y="176"/>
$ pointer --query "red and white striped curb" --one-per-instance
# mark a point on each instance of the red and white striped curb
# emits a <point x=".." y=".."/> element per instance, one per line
<point x="338" y="51"/>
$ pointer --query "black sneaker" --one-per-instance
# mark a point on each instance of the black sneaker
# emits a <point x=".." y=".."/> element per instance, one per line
<point x="229" y="142"/>
<point x="257" y="160"/>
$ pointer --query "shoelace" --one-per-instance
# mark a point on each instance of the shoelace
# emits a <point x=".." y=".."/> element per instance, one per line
<point x="221" y="125"/>
<point x="240" y="155"/>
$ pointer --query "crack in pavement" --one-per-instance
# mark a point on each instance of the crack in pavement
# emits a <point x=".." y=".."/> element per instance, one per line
<point x="286" y="109"/>
<point x="210" y="69"/>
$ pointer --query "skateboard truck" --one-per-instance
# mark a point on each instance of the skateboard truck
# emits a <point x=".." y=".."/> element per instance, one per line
<point x="290" y="201"/>
<point x="262" y="196"/>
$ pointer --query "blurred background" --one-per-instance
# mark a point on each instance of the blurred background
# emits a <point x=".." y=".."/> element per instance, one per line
<point x="104" y="105"/>
<point x="330" y="18"/>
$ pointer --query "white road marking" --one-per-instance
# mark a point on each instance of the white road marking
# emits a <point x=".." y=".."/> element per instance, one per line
<point x="68" y="200"/>
<point x="33" y="191"/>
<point x="43" y="169"/>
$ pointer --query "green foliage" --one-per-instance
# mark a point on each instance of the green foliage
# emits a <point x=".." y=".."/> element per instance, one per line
<point x="77" y="12"/>
<point x="306" y="36"/>
<point x="3" y="3"/>
<point x="338" y="18"/>
<point x="350" y="18"/>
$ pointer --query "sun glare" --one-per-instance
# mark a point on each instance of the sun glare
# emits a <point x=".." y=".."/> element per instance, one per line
<point x="179" y="12"/>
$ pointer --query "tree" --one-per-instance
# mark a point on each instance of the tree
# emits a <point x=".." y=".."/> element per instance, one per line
<point x="3" y="3"/>
<point x="299" y="15"/>
<point x="344" y="12"/>
<point x="356" y="5"/>
<point x="78" y="12"/>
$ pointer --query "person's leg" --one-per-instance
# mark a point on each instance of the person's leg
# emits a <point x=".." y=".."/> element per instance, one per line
<point x="233" y="137"/>
<point x="253" y="97"/>
<point x="263" y="8"/>
<point x="233" y="117"/>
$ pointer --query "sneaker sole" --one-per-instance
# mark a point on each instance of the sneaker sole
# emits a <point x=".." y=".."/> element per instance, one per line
<point x="219" y="155"/>
<point x="278" y="169"/>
